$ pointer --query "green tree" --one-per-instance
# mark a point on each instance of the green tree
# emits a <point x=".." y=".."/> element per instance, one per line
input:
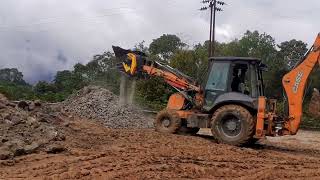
<point x="13" y="85"/>
<point x="93" y="70"/>
<point x="43" y="87"/>
<point x="254" y="44"/>
<point x="153" y="93"/>
<point x="16" y="91"/>
<point x="230" y="49"/>
<point x="185" y="61"/>
<point x="201" y="56"/>
<point x="68" y="81"/>
<point x="79" y="68"/>
<point x="191" y="62"/>
<point x="12" y="75"/>
<point x="165" y="46"/>
<point x="292" y="51"/>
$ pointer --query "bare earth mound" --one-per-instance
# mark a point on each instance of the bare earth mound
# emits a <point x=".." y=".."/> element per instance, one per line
<point x="96" y="152"/>
<point x="72" y="148"/>
<point x="100" y="104"/>
<point x="27" y="128"/>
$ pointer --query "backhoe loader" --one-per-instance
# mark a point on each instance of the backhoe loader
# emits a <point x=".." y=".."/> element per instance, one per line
<point x="232" y="102"/>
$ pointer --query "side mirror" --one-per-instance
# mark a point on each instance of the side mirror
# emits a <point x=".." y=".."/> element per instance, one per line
<point x="263" y="67"/>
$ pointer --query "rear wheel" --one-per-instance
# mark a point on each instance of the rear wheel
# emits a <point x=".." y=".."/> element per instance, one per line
<point x="167" y="121"/>
<point x="233" y="124"/>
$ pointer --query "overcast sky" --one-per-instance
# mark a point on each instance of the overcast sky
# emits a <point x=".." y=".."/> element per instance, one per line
<point x="40" y="37"/>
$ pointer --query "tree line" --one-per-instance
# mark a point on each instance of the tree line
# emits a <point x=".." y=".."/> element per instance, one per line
<point x="190" y="59"/>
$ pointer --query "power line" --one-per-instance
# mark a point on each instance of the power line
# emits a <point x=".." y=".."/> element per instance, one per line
<point x="213" y="6"/>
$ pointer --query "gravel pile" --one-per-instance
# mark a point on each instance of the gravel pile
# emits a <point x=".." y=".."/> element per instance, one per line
<point x="97" y="103"/>
<point x="28" y="127"/>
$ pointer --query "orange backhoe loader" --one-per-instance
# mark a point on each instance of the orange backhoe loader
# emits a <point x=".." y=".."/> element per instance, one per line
<point x="231" y="102"/>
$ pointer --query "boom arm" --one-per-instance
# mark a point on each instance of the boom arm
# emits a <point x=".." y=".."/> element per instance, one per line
<point x="135" y="63"/>
<point x="171" y="78"/>
<point x="294" y="84"/>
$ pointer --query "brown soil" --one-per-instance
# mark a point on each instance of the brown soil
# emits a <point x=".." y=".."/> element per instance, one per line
<point x="95" y="152"/>
<point x="45" y="142"/>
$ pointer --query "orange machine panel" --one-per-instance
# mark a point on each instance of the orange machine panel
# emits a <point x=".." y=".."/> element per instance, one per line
<point x="294" y="84"/>
<point x="176" y="101"/>
<point x="260" y="117"/>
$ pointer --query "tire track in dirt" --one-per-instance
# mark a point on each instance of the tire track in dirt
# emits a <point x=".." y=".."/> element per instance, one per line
<point x="98" y="152"/>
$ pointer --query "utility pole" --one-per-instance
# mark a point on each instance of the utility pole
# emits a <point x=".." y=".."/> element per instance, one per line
<point x="213" y="9"/>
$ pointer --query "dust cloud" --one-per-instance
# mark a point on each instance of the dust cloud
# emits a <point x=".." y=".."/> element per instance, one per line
<point x="127" y="90"/>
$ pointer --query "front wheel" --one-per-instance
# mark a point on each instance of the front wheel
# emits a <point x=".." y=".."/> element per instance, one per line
<point x="234" y="125"/>
<point x="167" y="121"/>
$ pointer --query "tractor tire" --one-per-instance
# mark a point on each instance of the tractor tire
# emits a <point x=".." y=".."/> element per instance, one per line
<point x="234" y="125"/>
<point x="183" y="130"/>
<point x="167" y="121"/>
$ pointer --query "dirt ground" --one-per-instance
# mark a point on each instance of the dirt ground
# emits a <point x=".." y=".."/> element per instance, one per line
<point x="95" y="152"/>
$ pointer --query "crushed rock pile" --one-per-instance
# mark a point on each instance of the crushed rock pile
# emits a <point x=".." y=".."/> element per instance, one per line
<point x="28" y="127"/>
<point x="97" y="103"/>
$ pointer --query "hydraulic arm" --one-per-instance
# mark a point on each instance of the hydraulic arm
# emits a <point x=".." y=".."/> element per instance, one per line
<point x="295" y="83"/>
<point x="135" y="64"/>
<point x="172" y="79"/>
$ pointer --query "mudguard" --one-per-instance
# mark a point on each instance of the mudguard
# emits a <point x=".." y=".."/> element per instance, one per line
<point x="233" y="98"/>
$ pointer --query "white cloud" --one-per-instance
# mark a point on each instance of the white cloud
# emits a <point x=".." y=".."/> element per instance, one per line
<point x="34" y="32"/>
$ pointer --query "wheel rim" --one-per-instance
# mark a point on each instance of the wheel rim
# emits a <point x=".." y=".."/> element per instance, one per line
<point x="231" y="126"/>
<point x="166" y="122"/>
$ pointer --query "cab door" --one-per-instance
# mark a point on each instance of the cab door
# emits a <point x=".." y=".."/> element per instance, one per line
<point x="217" y="82"/>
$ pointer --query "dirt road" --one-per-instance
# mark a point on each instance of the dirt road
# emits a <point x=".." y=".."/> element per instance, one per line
<point x="95" y="152"/>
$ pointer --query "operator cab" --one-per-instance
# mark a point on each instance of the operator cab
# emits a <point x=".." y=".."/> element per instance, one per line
<point x="233" y="80"/>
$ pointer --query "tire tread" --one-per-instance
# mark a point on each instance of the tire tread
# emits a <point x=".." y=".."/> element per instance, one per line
<point x="247" y="139"/>
<point x="174" y="118"/>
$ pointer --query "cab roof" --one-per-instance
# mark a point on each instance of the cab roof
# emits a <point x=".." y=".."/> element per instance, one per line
<point x="249" y="59"/>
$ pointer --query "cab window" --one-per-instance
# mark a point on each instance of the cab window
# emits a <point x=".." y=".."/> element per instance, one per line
<point x="241" y="79"/>
<point x="218" y="77"/>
